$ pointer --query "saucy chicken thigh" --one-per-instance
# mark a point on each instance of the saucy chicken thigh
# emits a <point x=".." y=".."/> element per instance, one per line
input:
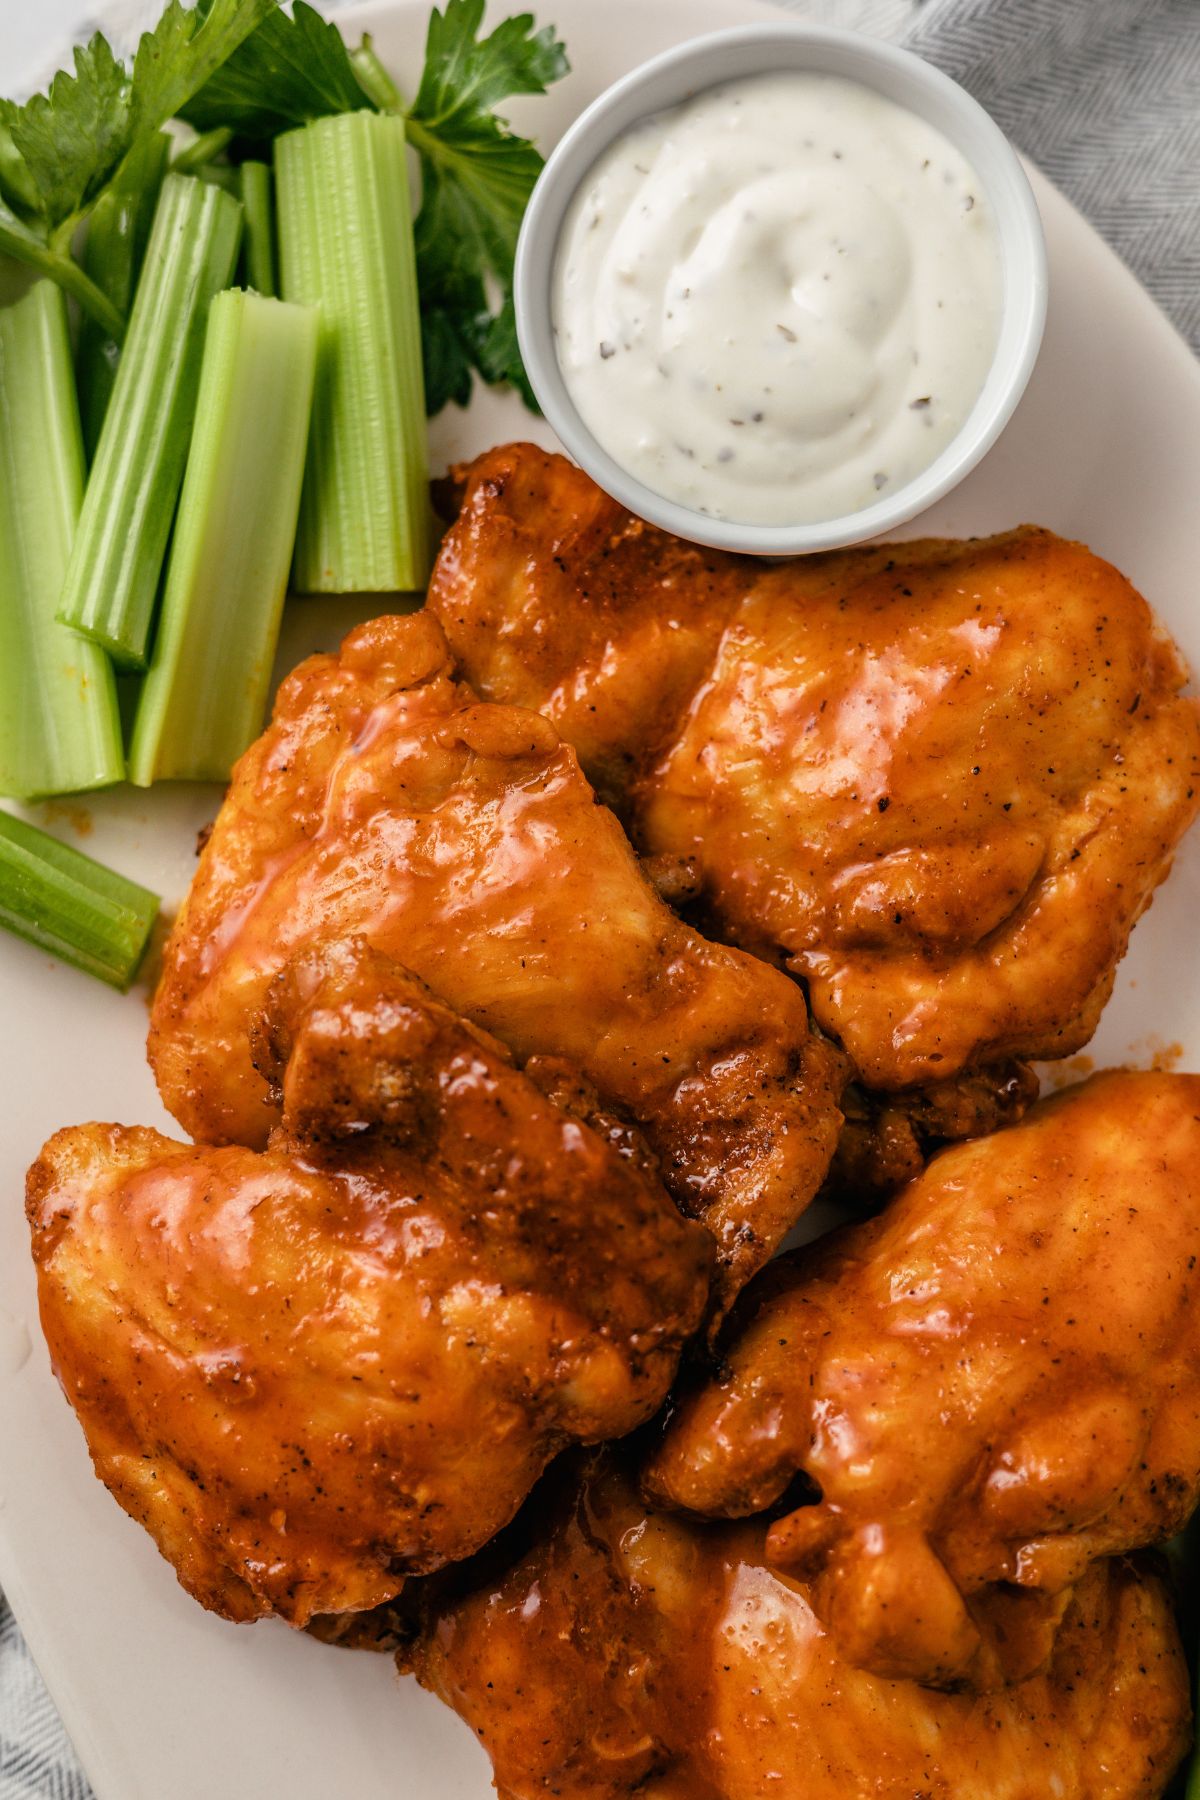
<point x="938" y="780"/>
<point x="462" y="838"/>
<point x="632" y="1653"/>
<point x="984" y="1390"/>
<point x="313" y="1370"/>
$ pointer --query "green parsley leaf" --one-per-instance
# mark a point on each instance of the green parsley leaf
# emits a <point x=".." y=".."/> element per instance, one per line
<point x="448" y="358"/>
<point x="465" y="77"/>
<point x="476" y="187"/>
<point x="16" y="185"/>
<point x="184" y="51"/>
<point x="477" y="177"/>
<point x="287" y="73"/>
<point x="457" y="343"/>
<point x="72" y="140"/>
<point x="499" y="354"/>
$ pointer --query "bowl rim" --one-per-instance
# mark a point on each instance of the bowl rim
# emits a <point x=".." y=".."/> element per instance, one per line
<point x="974" y="132"/>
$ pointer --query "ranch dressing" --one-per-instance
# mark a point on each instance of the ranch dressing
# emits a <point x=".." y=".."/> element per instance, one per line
<point x="778" y="302"/>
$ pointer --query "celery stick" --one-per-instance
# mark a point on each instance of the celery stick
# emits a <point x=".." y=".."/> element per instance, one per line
<point x="258" y="244"/>
<point x="66" y="903"/>
<point x="202" y="702"/>
<point x="222" y="175"/>
<point x="115" y="567"/>
<point x="117" y="233"/>
<point x="203" y="149"/>
<point x="374" y="79"/>
<point x="59" y="729"/>
<point x="346" y="244"/>
<point x="21" y="242"/>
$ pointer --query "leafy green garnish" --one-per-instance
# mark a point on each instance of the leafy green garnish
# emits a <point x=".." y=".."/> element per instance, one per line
<point x="243" y="66"/>
<point x="477" y="177"/>
<point x="21" y="241"/>
<point x="465" y="76"/>
<point x="71" y="138"/>
<point x="476" y="174"/>
<point x="60" y="151"/>
<point x="289" y="72"/>
<point x="15" y="185"/>
<point x="500" y="355"/>
<point x="185" y="50"/>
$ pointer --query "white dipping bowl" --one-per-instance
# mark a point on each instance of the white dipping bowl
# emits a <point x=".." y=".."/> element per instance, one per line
<point x="678" y="75"/>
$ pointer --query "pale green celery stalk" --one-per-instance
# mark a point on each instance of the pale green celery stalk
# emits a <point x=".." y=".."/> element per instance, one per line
<point x="116" y="565"/>
<point x="22" y="242"/>
<point x="203" y="149"/>
<point x="258" y="244"/>
<point x="72" y="906"/>
<point x="221" y="175"/>
<point x="117" y="233"/>
<point x="346" y="245"/>
<point x="374" y="79"/>
<point x="202" y="702"/>
<point x="59" y="728"/>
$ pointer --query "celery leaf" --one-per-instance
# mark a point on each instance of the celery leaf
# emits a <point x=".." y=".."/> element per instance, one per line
<point x="477" y="176"/>
<point x="16" y="184"/>
<point x="184" y="51"/>
<point x="465" y="76"/>
<point x="447" y="357"/>
<point x="499" y="355"/>
<point x="71" y="140"/>
<point x="288" y="72"/>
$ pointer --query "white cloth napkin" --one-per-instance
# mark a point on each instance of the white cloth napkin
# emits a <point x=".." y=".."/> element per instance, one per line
<point x="1104" y="95"/>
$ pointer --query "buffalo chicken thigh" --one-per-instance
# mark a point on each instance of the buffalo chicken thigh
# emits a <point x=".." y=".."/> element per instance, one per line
<point x="938" y="780"/>
<point x="985" y="1389"/>
<point x="630" y="1653"/>
<point x="462" y="838"/>
<point x="312" y="1370"/>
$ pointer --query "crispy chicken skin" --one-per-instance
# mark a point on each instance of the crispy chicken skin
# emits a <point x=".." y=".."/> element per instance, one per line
<point x="312" y="1370"/>
<point x="462" y="838"/>
<point x="938" y="780"/>
<point x="631" y="1653"/>
<point x="888" y="1138"/>
<point x="989" y="1386"/>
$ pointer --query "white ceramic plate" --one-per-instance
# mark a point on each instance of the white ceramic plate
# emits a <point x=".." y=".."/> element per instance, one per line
<point x="163" y="1701"/>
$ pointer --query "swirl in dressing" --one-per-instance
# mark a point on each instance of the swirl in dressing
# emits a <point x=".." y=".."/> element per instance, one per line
<point x="779" y="301"/>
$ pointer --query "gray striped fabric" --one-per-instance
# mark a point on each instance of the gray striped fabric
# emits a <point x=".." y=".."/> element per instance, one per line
<point x="36" y="1758"/>
<point x="1105" y="96"/>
